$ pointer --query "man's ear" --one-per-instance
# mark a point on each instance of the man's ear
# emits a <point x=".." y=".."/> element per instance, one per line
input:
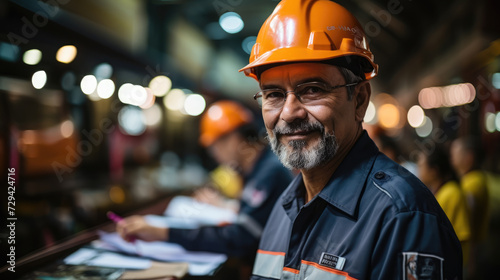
<point x="362" y="99"/>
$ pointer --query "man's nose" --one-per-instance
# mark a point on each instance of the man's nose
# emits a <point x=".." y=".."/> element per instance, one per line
<point x="292" y="109"/>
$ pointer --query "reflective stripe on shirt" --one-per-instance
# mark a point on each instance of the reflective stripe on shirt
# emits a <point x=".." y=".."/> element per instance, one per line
<point x="314" y="271"/>
<point x="269" y="264"/>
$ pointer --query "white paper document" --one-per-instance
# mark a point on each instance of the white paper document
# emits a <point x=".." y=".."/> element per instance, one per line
<point x="93" y="257"/>
<point x="200" y="263"/>
<point x="183" y="209"/>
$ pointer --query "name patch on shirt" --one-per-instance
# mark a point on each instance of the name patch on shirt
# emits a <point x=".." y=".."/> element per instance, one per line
<point x="422" y="266"/>
<point x="332" y="261"/>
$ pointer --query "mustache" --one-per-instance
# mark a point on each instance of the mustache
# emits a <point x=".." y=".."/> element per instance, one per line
<point x="298" y="127"/>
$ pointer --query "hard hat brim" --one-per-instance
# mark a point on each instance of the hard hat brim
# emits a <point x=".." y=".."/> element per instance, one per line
<point x="280" y="56"/>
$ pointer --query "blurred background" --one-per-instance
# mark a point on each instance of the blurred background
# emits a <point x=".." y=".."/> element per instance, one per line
<point x="100" y="99"/>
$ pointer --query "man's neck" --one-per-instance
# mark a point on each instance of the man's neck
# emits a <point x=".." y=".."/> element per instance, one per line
<point x="315" y="179"/>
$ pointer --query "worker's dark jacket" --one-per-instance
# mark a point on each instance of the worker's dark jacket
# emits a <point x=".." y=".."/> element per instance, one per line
<point x="262" y="187"/>
<point x="373" y="220"/>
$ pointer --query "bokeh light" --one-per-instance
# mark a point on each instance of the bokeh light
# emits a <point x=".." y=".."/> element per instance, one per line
<point x="388" y="115"/>
<point x="248" y="43"/>
<point x="497" y="121"/>
<point x="66" y="54"/>
<point x="160" y="85"/>
<point x="416" y="116"/>
<point x="448" y="96"/>
<point x="489" y="122"/>
<point x="32" y="57"/>
<point x="425" y="129"/>
<point x="152" y="115"/>
<point x="67" y="128"/>
<point x="131" y="120"/>
<point x="495" y="80"/>
<point x="150" y="99"/>
<point x="174" y="100"/>
<point x="117" y="194"/>
<point x="124" y="93"/>
<point x="39" y="79"/>
<point x="103" y="71"/>
<point x="88" y="84"/>
<point x="194" y="104"/>
<point x="138" y="95"/>
<point x="105" y="88"/>
<point x="231" y="22"/>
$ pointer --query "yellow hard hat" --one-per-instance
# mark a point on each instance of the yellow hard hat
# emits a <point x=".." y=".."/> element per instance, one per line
<point x="221" y="118"/>
<point x="310" y="30"/>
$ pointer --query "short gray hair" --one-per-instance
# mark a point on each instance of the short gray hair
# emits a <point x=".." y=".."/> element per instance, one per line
<point x="350" y="78"/>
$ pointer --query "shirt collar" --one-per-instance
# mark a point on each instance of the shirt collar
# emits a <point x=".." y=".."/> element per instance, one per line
<point x="345" y="187"/>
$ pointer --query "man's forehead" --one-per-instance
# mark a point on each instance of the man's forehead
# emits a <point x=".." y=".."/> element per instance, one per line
<point x="296" y="72"/>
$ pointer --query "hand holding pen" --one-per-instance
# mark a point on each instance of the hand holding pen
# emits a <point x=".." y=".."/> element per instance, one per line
<point x="136" y="227"/>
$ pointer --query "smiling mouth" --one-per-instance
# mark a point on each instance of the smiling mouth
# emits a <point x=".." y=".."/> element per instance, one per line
<point x="301" y="134"/>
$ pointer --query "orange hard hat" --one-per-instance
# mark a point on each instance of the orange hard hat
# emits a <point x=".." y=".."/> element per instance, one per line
<point x="221" y="118"/>
<point x="310" y="30"/>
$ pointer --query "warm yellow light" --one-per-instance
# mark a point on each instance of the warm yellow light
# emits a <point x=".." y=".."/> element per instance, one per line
<point x="66" y="54"/>
<point x="388" y="115"/>
<point x="116" y="194"/>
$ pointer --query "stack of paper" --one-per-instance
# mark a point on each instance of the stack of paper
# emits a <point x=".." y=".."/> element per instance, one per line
<point x="187" y="212"/>
<point x="200" y="263"/>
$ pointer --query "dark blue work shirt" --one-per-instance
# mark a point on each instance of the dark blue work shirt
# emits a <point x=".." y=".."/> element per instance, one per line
<point x="262" y="187"/>
<point x="373" y="220"/>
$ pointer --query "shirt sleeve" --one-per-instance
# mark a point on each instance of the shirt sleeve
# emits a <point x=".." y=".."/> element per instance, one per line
<point x="233" y="239"/>
<point x="242" y="237"/>
<point x="416" y="245"/>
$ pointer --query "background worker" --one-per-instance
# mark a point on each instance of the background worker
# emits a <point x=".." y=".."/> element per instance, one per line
<point x="349" y="214"/>
<point x="466" y="158"/>
<point x="435" y="171"/>
<point x="228" y="132"/>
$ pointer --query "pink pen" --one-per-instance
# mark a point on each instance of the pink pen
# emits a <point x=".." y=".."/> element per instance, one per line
<point x="115" y="218"/>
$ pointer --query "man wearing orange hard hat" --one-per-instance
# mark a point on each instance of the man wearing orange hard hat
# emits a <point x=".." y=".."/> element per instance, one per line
<point x="350" y="213"/>
<point x="227" y="130"/>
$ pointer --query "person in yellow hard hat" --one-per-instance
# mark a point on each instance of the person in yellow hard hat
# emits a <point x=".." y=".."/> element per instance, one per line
<point x="350" y="213"/>
<point x="228" y="132"/>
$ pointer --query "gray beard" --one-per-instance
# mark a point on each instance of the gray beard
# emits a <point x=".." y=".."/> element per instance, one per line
<point x="296" y="156"/>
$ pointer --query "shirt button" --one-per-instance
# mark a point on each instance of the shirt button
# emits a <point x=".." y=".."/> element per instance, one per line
<point x="379" y="175"/>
